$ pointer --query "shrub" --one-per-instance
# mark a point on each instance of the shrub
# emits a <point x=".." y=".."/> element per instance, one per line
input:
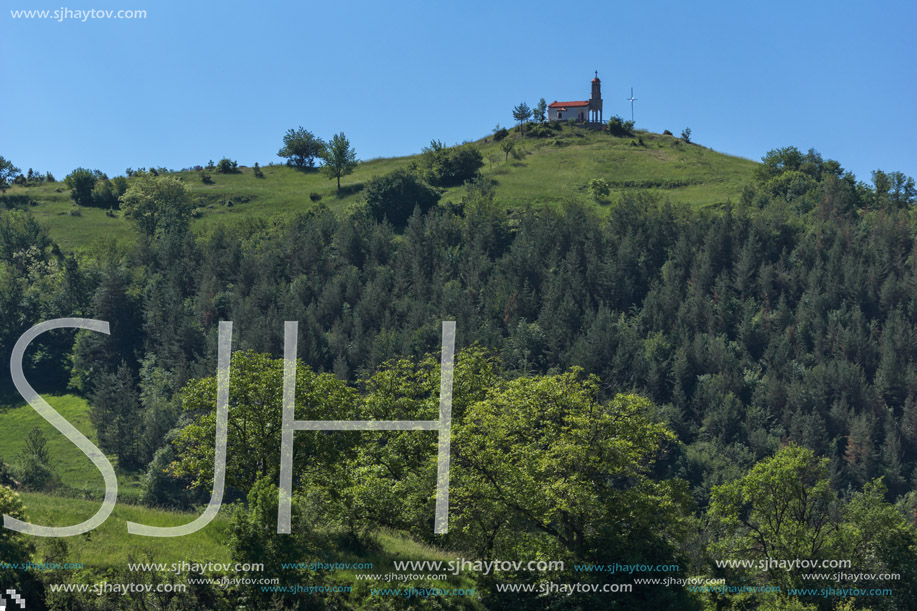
<point x="395" y="195"/>
<point x="205" y="178"/>
<point x="599" y="188"/>
<point x="448" y="166"/>
<point x="539" y="131"/>
<point x="666" y="132"/>
<point x="227" y="166"/>
<point x="33" y="463"/>
<point x="256" y="170"/>
<point x="314" y="196"/>
<point x="81" y="182"/>
<point x="686" y="135"/>
<point x="119" y="183"/>
<point x="500" y="134"/>
<point x="104" y="195"/>
<point x="619" y="127"/>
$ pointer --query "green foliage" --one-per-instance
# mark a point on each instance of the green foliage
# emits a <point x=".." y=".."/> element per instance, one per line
<point x="253" y="442"/>
<point x="157" y="204"/>
<point x="500" y="134"/>
<point x="227" y="166"/>
<point x="8" y="173"/>
<point x="539" y="113"/>
<point x="254" y="539"/>
<point x="105" y="195"/>
<point x="394" y="197"/>
<point x="81" y="183"/>
<point x="522" y="113"/>
<point x="619" y="127"/>
<point x="15" y="548"/>
<point x="444" y="166"/>
<point x="686" y="135"/>
<point x="599" y="188"/>
<point x="782" y="509"/>
<point x="507" y="146"/>
<point x="256" y="171"/>
<point x="33" y="464"/>
<point x="301" y="147"/>
<point x="115" y="416"/>
<point x="893" y="190"/>
<point x="338" y="158"/>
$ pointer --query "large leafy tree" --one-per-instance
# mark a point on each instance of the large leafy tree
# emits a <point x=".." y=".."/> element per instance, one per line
<point x="301" y="147"/>
<point x="255" y="418"/>
<point x="541" y="468"/>
<point x="157" y="204"/>
<point x="783" y="508"/>
<point x="545" y="467"/>
<point x="339" y="158"/>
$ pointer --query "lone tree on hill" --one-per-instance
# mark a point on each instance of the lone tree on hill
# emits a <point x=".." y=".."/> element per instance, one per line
<point x="540" y="111"/>
<point x="301" y="147"/>
<point x="507" y="145"/>
<point x="522" y="113"/>
<point x="339" y="158"/>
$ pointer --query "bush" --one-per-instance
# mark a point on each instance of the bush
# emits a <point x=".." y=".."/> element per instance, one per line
<point x="686" y="135"/>
<point x="500" y="134"/>
<point x="394" y="196"/>
<point x="599" y="188"/>
<point x="666" y="132"/>
<point x="256" y="170"/>
<point x="449" y="166"/>
<point x="206" y="179"/>
<point x="81" y="182"/>
<point x="104" y="195"/>
<point x="315" y="196"/>
<point x="619" y="127"/>
<point x="227" y="166"/>
<point x="539" y="131"/>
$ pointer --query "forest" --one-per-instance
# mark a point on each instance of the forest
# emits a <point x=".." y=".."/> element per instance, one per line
<point x="655" y="385"/>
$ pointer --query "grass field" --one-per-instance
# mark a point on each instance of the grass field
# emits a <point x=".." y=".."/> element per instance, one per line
<point x="110" y="545"/>
<point x="549" y="170"/>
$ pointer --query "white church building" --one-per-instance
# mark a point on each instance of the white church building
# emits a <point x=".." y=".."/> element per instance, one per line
<point x="584" y="111"/>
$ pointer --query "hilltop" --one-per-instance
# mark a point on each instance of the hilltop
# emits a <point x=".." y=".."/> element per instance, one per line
<point x="544" y="171"/>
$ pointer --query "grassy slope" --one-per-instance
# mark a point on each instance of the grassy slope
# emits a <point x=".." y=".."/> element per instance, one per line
<point x="109" y="545"/>
<point x="75" y="469"/>
<point x="551" y="170"/>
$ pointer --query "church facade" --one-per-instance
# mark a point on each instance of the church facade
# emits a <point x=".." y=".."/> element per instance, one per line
<point x="582" y="111"/>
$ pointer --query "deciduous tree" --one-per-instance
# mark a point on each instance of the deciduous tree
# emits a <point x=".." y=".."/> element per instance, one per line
<point x="339" y="158"/>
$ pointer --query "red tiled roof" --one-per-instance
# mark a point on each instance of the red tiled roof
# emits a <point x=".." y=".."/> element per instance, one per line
<point x="561" y="104"/>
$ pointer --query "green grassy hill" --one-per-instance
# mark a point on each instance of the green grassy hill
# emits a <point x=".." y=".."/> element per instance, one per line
<point x="76" y="471"/>
<point x="550" y="170"/>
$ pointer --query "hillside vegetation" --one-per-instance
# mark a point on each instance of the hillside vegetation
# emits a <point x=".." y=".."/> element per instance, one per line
<point x="541" y="171"/>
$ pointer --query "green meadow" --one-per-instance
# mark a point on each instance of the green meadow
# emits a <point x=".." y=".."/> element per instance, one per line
<point x="544" y="171"/>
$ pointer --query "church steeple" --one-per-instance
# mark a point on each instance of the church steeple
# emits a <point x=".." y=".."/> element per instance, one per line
<point x="595" y="102"/>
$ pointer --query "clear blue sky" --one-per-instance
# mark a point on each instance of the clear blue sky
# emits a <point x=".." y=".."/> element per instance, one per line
<point x="196" y="81"/>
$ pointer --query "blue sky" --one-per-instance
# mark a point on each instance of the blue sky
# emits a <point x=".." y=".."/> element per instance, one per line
<point x="196" y="81"/>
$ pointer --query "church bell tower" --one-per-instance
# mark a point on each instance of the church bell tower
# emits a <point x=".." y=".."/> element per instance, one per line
<point x="595" y="102"/>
